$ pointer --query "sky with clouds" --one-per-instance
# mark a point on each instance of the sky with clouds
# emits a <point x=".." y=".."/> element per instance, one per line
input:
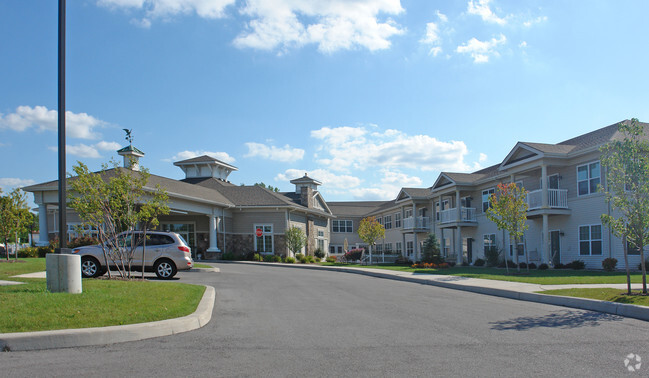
<point x="367" y="96"/>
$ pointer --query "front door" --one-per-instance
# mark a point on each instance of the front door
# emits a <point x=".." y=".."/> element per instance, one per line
<point x="555" y="247"/>
<point x="469" y="250"/>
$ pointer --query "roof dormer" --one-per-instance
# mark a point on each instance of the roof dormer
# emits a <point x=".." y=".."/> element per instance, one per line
<point x="205" y="166"/>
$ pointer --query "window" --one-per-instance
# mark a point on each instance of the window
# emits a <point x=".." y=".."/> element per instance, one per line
<point x="76" y="230"/>
<point x="341" y="226"/>
<point x="409" y="248"/>
<point x="485" y="199"/>
<point x="397" y="248"/>
<point x="320" y="234"/>
<point x="632" y="249"/>
<point x="397" y="220"/>
<point x="387" y="222"/>
<point x="520" y="249"/>
<point x="335" y="249"/>
<point x="590" y="240"/>
<point x="379" y="248"/>
<point x="488" y="241"/>
<point x="264" y="243"/>
<point x="441" y="206"/>
<point x="380" y="220"/>
<point x="388" y="248"/>
<point x="408" y="213"/>
<point x="588" y="178"/>
<point x="553" y="181"/>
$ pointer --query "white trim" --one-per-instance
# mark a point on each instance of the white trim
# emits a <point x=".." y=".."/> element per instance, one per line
<point x="587" y="165"/>
<point x="590" y="239"/>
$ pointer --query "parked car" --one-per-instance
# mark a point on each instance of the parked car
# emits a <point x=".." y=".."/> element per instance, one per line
<point x="166" y="253"/>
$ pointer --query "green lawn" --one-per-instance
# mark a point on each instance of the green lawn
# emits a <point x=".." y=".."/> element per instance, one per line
<point x="22" y="266"/>
<point x="604" y="294"/>
<point x="543" y="277"/>
<point x="199" y="265"/>
<point x="30" y="307"/>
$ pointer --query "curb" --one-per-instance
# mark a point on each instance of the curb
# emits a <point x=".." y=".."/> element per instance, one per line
<point x="620" y="309"/>
<point x="68" y="338"/>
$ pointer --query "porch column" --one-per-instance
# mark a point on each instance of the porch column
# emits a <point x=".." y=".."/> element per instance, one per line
<point x="214" y="224"/>
<point x="458" y="245"/>
<point x="414" y="216"/>
<point x="43" y="237"/>
<point x="544" y="186"/>
<point x="545" y="249"/>
<point x="458" y="205"/>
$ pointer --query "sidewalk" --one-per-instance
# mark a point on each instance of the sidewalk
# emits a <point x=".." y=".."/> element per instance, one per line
<point x="513" y="290"/>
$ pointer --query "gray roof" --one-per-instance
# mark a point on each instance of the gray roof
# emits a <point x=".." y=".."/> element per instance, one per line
<point x="204" y="159"/>
<point x="416" y="193"/>
<point x="355" y="208"/>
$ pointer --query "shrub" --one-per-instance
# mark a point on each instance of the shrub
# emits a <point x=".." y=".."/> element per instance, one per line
<point x="83" y="240"/>
<point x="464" y="263"/>
<point x="523" y="265"/>
<point x="310" y="259"/>
<point x="560" y="266"/>
<point x="319" y="253"/>
<point x="450" y="263"/>
<point x="492" y="255"/>
<point x="228" y="256"/>
<point x="299" y="256"/>
<point x="268" y="258"/>
<point x="303" y="259"/>
<point x="646" y="265"/>
<point x="532" y="266"/>
<point x="289" y="260"/>
<point x="257" y="257"/>
<point x="401" y="260"/>
<point x="28" y="252"/>
<point x="331" y="259"/>
<point x="479" y="262"/>
<point x="609" y="264"/>
<point x="354" y="254"/>
<point x="42" y="251"/>
<point x="510" y="264"/>
<point x="543" y="266"/>
<point x="430" y="250"/>
<point x="576" y="265"/>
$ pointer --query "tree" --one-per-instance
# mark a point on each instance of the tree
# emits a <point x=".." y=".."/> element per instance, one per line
<point x="269" y="187"/>
<point x="112" y="202"/>
<point x="508" y="210"/>
<point x="295" y="239"/>
<point x="148" y="215"/>
<point x="627" y="191"/>
<point x="430" y="251"/>
<point x="370" y="230"/>
<point x="14" y="216"/>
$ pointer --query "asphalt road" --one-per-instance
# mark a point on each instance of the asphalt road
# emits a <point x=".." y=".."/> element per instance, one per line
<point x="275" y="321"/>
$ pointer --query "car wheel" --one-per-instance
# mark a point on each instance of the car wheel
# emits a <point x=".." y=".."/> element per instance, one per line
<point x="90" y="267"/>
<point x="164" y="269"/>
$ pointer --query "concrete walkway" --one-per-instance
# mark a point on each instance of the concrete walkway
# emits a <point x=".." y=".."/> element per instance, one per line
<point x="514" y="290"/>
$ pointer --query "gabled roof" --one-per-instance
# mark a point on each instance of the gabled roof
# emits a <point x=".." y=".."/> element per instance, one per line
<point x="357" y="209"/>
<point x="413" y="194"/>
<point x="130" y="148"/>
<point x="305" y="180"/>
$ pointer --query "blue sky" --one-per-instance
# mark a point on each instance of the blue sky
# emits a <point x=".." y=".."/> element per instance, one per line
<point x="367" y="96"/>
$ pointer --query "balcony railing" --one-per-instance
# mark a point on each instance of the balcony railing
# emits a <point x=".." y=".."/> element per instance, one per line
<point x="417" y="223"/>
<point x="467" y="214"/>
<point x="557" y="199"/>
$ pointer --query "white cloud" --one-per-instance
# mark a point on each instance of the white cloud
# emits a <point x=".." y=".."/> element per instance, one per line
<point x="184" y="155"/>
<point x="9" y="183"/>
<point x="166" y="9"/>
<point x="78" y="125"/>
<point x="284" y="154"/>
<point x="481" y="8"/>
<point x="480" y="51"/>
<point x="523" y="45"/>
<point x="482" y="158"/>
<point x="331" y="24"/>
<point x="348" y="148"/>
<point x="442" y="17"/>
<point x="537" y="20"/>
<point x="92" y="151"/>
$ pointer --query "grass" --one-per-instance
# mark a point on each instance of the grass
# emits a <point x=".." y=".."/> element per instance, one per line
<point x="30" y="307"/>
<point x="199" y="265"/>
<point x="603" y="294"/>
<point x="22" y="266"/>
<point x="542" y="277"/>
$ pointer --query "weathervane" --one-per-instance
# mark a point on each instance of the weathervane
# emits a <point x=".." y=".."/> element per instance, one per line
<point x="129" y="137"/>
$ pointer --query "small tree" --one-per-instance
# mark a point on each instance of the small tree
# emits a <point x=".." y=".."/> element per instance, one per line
<point x="508" y="210"/>
<point x="370" y="230"/>
<point x="111" y="202"/>
<point x="627" y="191"/>
<point x="149" y="213"/>
<point x="14" y="216"/>
<point x="430" y="250"/>
<point x="295" y="239"/>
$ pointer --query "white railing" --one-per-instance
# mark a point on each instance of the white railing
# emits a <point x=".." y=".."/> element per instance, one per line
<point x="416" y="223"/>
<point x="557" y="198"/>
<point x="467" y="214"/>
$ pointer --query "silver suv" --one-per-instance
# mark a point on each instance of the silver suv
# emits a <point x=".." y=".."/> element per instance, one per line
<point x="166" y="253"/>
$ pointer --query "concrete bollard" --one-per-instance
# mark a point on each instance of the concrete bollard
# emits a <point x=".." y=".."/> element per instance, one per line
<point x="63" y="273"/>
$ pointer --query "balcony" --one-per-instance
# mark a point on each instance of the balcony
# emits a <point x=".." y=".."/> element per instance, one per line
<point x="557" y="199"/>
<point x="467" y="214"/>
<point x="418" y="223"/>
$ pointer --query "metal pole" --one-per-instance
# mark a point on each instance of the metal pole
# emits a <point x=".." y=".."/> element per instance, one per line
<point x="62" y="181"/>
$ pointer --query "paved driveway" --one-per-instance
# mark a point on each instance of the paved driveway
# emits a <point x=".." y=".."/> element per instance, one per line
<point x="274" y="321"/>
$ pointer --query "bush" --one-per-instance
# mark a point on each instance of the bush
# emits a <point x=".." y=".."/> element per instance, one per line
<point x="543" y="266"/>
<point x="560" y="266"/>
<point x="228" y="256"/>
<point x="523" y="265"/>
<point x="289" y="260"/>
<point x="646" y="265"/>
<point x="576" y="265"/>
<point x="268" y="258"/>
<point x="402" y="260"/>
<point x="257" y="257"/>
<point x="28" y="252"/>
<point x="510" y="264"/>
<point x="492" y="255"/>
<point x="479" y="262"/>
<point x="83" y="240"/>
<point x="430" y="250"/>
<point x="450" y="263"/>
<point x="299" y="256"/>
<point x="42" y="251"/>
<point x="303" y="259"/>
<point x="532" y="266"/>
<point x="354" y="254"/>
<point x="319" y="253"/>
<point x="310" y="259"/>
<point x="609" y="264"/>
<point x="331" y="259"/>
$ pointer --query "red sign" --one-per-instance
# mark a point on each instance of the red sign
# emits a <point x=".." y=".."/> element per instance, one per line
<point x="259" y="232"/>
